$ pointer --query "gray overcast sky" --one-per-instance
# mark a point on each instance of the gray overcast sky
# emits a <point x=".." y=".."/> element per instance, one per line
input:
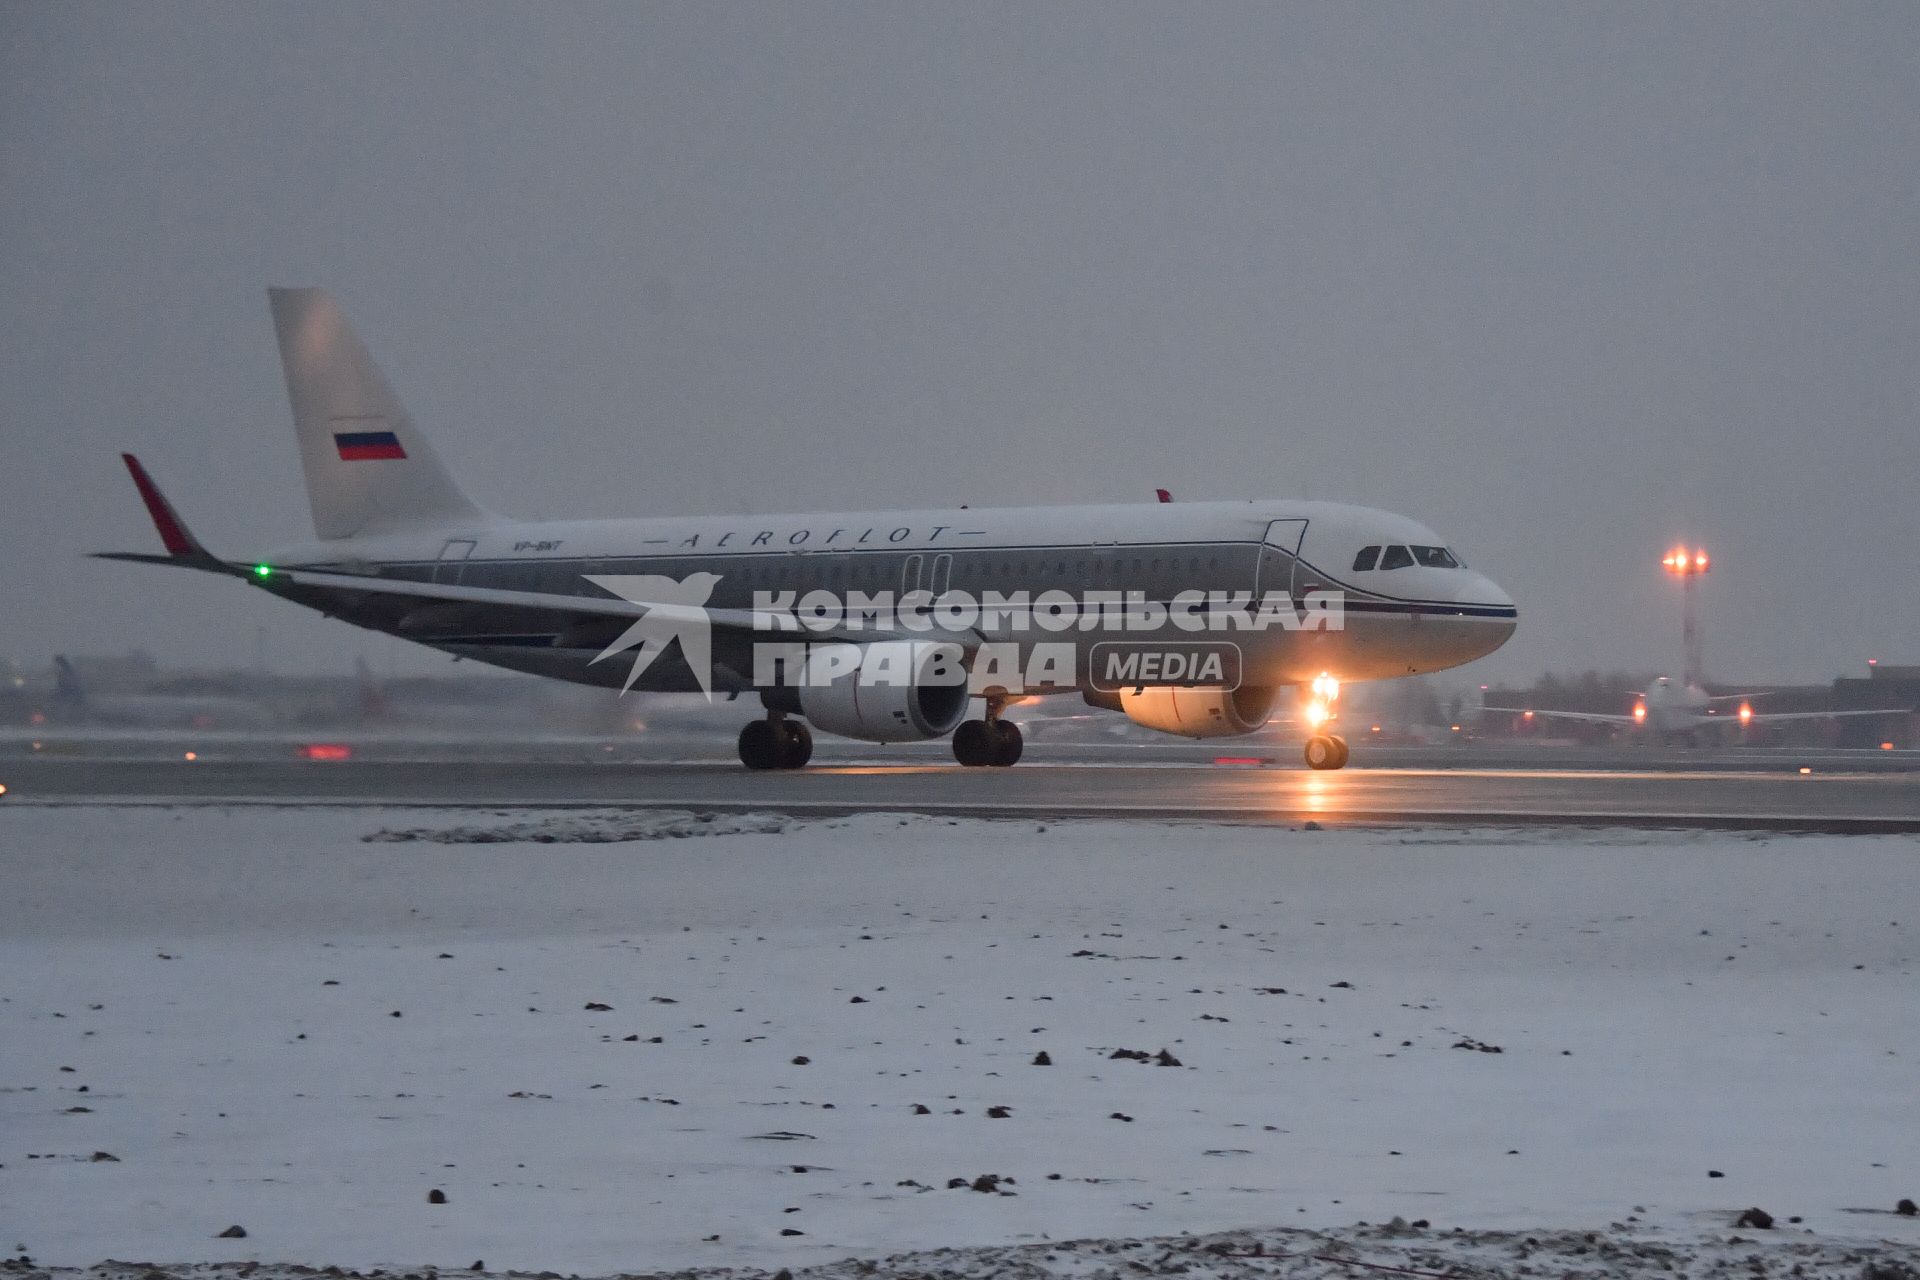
<point x="1565" y="282"/>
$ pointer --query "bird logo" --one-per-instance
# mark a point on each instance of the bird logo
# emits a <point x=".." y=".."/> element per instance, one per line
<point x="675" y="610"/>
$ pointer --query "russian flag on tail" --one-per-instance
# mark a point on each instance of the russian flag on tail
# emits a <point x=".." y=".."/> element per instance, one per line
<point x="363" y="446"/>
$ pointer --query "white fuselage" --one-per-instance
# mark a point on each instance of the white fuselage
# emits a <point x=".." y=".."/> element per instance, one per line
<point x="1411" y="618"/>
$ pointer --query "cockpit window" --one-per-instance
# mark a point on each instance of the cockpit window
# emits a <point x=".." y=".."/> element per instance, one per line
<point x="1396" y="558"/>
<point x="1435" y="557"/>
<point x="1366" y="559"/>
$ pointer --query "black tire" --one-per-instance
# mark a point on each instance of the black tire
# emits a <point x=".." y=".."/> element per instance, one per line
<point x="796" y="744"/>
<point x="973" y="743"/>
<point x="1007" y="744"/>
<point x="1341" y="744"/>
<point x="1321" y="753"/>
<point x="760" y="745"/>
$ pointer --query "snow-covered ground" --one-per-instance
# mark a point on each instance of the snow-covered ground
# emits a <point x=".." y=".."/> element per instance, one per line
<point x="674" y="1052"/>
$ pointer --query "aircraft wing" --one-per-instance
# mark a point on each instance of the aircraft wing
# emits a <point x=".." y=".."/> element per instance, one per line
<point x="1592" y="717"/>
<point x="608" y="606"/>
<point x="334" y="592"/>
<point x="1768" y="717"/>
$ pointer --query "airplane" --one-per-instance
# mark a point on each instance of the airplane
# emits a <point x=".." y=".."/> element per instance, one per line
<point x="73" y="703"/>
<point x="784" y="606"/>
<point x="1682" y="709"/>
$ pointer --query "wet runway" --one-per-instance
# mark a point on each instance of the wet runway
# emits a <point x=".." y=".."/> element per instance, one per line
<point x="1833" y="796"/>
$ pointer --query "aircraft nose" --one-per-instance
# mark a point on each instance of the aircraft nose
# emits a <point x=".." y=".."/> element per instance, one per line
<point x="1480" y="589"/>
<point x="1500" y="617"/>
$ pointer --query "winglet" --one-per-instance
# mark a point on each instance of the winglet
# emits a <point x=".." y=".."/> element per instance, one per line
<point x="174" y="534"/>
<point x="183" y="549"/>
<point x="1163" y="495"/>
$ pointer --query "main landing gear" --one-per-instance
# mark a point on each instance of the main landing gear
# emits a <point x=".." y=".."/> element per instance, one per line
<point x="775" y="743"/>
<point x="991" y="741"/>
<point x="1326" y="751"/>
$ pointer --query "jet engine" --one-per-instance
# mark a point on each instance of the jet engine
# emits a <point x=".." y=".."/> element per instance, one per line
<point x="887" y="691"/>
<point x="1195" y="713"/>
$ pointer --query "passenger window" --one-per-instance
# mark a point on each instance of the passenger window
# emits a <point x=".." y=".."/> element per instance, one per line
<point x="1396" y="558"/>
<point x="1368" y="557"/>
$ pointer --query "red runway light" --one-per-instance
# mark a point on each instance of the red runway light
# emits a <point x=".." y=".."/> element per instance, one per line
<point x="326" y="751"/>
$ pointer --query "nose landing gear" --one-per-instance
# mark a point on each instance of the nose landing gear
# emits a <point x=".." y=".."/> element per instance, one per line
<point x="1326" y="751"/>
<point x="776" y="743"/>
<point x="991" y="741"/>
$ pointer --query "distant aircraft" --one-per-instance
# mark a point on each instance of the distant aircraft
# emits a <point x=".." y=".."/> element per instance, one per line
<point x="401" y="549"/>
<point x="73" y="703"/>
<point x="1683" y="710"/>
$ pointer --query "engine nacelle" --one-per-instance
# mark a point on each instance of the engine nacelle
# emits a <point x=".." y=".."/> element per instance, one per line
<point x="1198" y="713"/>
<point x="888" y="691"/>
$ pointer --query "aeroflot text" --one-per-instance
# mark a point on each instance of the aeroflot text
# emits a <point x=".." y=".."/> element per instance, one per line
<point x="1054" y="611"/>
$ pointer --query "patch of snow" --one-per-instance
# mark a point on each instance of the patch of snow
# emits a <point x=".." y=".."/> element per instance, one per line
<point x="668" y="1053"/>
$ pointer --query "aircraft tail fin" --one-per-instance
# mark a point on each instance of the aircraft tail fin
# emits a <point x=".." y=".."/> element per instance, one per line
<point x="371" y="699"/>
<point x="66" y="682"/>
<point x="368" y="468"/>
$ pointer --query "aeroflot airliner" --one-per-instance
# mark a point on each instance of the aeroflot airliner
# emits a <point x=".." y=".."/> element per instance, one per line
<point x="882" y="626"/>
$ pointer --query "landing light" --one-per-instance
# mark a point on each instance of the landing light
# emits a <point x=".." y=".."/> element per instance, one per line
<point x="3" y="788"/>
<point x="1639" y="712"/>
<point x="192" y="755"/>
<point x="1746" y="713"/>
<point x="1325" y="687"/>
<point x="1316" y="713"/>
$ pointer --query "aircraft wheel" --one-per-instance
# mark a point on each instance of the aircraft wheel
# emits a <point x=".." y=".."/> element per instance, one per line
<point x="1341" y="744"/>
<point x="1007" y="743"/>
<point x="1321" y="752"/>
<point x="760" y="745"/>
<point x="973" y="743"/>
<point x="796" y="744"/>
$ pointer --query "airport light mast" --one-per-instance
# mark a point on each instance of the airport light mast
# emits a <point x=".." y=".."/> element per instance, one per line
<point x="1687" y="566"/>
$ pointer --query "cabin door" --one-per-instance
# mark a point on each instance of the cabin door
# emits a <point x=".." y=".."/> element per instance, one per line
<point x="1279" y="555"/>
